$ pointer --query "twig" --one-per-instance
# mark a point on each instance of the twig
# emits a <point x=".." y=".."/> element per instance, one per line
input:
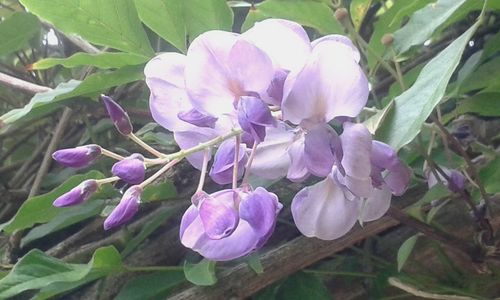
<point x="22" y="84"/>
<point x="419" y="293"/>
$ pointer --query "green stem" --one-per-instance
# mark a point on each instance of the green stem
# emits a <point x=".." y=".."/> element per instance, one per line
<point x="147" y="147"/>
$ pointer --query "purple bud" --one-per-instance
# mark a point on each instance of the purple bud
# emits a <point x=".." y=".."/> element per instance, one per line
<point x="78" y="194"/>
<point x="219" y="215"/>
<point x="456" y="182"/>
<point x="197" y="118"/>
<point x="78" y="157"/>
<point x="117" y="115"/>
<point x="131" y="169"/>
<point x="222" y="168"/>
<point x="126" y="209"/>
<point x="254" y="115"/>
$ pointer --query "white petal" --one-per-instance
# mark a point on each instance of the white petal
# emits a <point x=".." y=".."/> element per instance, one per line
<point x="376" y="205"/>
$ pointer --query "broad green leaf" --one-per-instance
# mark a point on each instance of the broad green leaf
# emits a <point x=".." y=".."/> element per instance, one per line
<point x="157" y="192"/>
<point x="204" y="15"/>
<point x="414" y="106"/>
<point x="112" y="23"/>
<point x="105" y="60"/>
<point x="151" y="286"/>
<point x="373" y="122"/>
<point x="491" y="46"/>
<point x="39" y="209"/>
<point x="202" y="273"/>
<point x="165" y="17"/>
<point x="16" y="31"/>
<point x="37" y="270"/>
<point x="358" y="10"/>
<point x="423" y="23"/>
<point x="490" y="176"/>
<point x="310" y="13"/>
<point x="71" y="216"/>
<point x="484" y="104"/>
<point x="303" y="286"/>
<point x="41" y="103"/>
<point x="434" y="210"/>
<point x="148" y="228"/>
<point x="486" y="76"/>
<point x="405" y="250"/>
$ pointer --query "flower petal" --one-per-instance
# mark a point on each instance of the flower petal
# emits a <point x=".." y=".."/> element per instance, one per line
<point x="191" y="138"/>
<point x="318" y="150"/>
<point x="78" y="194"/>
<point x="126" y="209"/>
<point x="260" y="209"/>
<point x="253" y="116"/>
<point x="132" y="169"/>
<point x="341" y="41"/>
<point x="376" y="205"/>
<point x="322" y="211"/>
<point x="222" y="168"/>
<point x="77" y="157"/>
<point x="218" y="214"/>
<point x="297" y="170"/>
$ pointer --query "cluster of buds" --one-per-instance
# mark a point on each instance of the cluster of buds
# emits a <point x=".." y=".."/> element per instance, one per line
<point x="266" y="98"/>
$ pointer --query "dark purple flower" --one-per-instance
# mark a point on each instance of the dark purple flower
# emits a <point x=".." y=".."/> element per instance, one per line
<point x="222" y="168"/>
<point x="254" y="116"/>
<point x="126" y="209"/>
<point x="78" y="194"/>
<point x="455" y="184"/>
<point x="119" y="117"/>
<point x="78" y="157"/>
<point x="255" y="212"/>
<point x="197" y="118"/>
<point x="131" y="169"/>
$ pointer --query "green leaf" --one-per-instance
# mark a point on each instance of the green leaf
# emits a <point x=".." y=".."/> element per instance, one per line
<point x="151" y="286"/>
<point x="310" y="13"/>
<point x="202" y="273"/>
<point x="490" y="176"/>
<point x="37" y="270"/>
<point x="303" y="286"/>
<point x="253" y="261"/>
<point x="148" y="228"/>
<point x="105" y="60"/>
<point x="39" y="209"/>
<point x="204" y="15"/>
<point x="423" y="23"/>
<point x="358" y="10"/>
<point x="71" y="216"/>
<point x="484" y="104"/>
<point x="16" y="31"/>
<point x="157" y="192"/>
<point x="484" y="77"/>
<point x="415" y="105"/>
<point x="42" y="103"/>
<point x="165" y="18"/>
<point x="112" y="23"/>
<point x="405" y="250"/>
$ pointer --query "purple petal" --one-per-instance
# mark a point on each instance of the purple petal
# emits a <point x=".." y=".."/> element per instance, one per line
<point x="322" y="211"/>
<point x="253" y="116"/>
<point x="398" y="179"/>
<point x="119" y="117"/>
<point x="222" y="168"/>
<point x="318" y="150"/>
<point x="335" y="87"/>
<point x="384" y="156"/>
<point x="356" y="148"/>
<point x="297" y="172"/>
<point x="197" y="118"/>
<point x="218" y="214"/>
<point x="275" y="89"/>
<point x="78" y="157"/>
<point x="457" y="181"/>
<point x="132" y="169"/>
<point x="376" y="205"/>
<point x="78" y="194"/>
<point x="126" y="209"/>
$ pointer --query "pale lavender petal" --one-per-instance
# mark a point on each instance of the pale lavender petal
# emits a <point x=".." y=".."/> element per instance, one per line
<point x="286" y="42"/>
<point x="222" y="168"/>
<point x="260" y="209"/>
<point x="398" y="179"/>
<point x="187" y="218"/>
<point x="218" y="214"/>
<point x="322" y="211"/>
<point x="126" y="209"/>
<point x="254" y="116"/>
<point x="356" y="147"/>
<point x="275" y="90"/>
<point x="78" y="157"/>
<point x="78" y="194"/>
<point x="191" y="138"/>
<point x="340" y="41"/>
<point x="375" y="206"/>
<point x="207" y="75"/>
<point x="168" y="67"/>
<point x="197" y="118"/>
<point x="271" y="160"/>
<point x="119" y="117"/>
<point x="384" y="156"/>
<point x="335" y="87"/>
<point x="132" y="169"/>
<point x="318" y="150"/>
<point x="297" y="171"/>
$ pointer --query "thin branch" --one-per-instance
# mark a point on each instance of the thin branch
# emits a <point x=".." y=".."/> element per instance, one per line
<point x="23" y="85"/>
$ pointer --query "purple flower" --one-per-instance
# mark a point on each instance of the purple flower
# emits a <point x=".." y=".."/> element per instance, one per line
<point x="119" y="117"/>
<point x="254" y="116"/>
<point x="197" y="118"/>
<point x="132" y="169"/>
<point x="77" y="195"/>
<point x="232" y="224"/>
<point x="78" y="157"/>
<point x="222" y="168"/>
<point x="126" y="209"/>
<point x="455" y="184"/>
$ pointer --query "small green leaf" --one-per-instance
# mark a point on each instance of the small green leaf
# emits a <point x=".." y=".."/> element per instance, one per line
<point x="204" y="15"/>
<point x="112" y="23"/>
<point x="490" y="176"/>
<point x="105" y="60"/>
<point x="405" y="250"/>
<point x="253" y="261"/>
<point x="165" y="17"/>
<point x="39" y="209"/>
<point x="16" y="31"/>
<point x="486" y="76"/>
<point x="303" y="286"/>
<point x="484" y="104"/>
<point x="358" y="10"/>
<point x="414" y="106"/>
<point x="423" y="23"/>
<point x="151" y="286"/>
<point x="157" y="192"/>
<point x="310" y="13"/>
<point x="202" y="273"/>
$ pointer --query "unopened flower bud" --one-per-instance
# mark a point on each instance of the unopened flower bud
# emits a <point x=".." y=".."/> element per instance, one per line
<point x="126" y="209"/>
<point x="78" y="157"/>
<point x="341" y="14"/>
<point x="456" y="182"/>
<point x="131" y="169"/>
<point x="387" y="39"/>
<point x="78" y="194"/>
<point x="118" y="115"/>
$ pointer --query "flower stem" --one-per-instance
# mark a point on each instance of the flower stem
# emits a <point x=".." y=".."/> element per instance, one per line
<point x="111" y="154"/>
<point x="249" y="163"/>
<point x="107" y="180"/>
<point x="147" y="147"/>
<point x="206" y="158"/>
<point x="159" y="172"/>
<point x="236" y="161"/>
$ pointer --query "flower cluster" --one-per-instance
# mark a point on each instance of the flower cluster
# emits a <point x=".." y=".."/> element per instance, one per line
<point x="268" y="98"/>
